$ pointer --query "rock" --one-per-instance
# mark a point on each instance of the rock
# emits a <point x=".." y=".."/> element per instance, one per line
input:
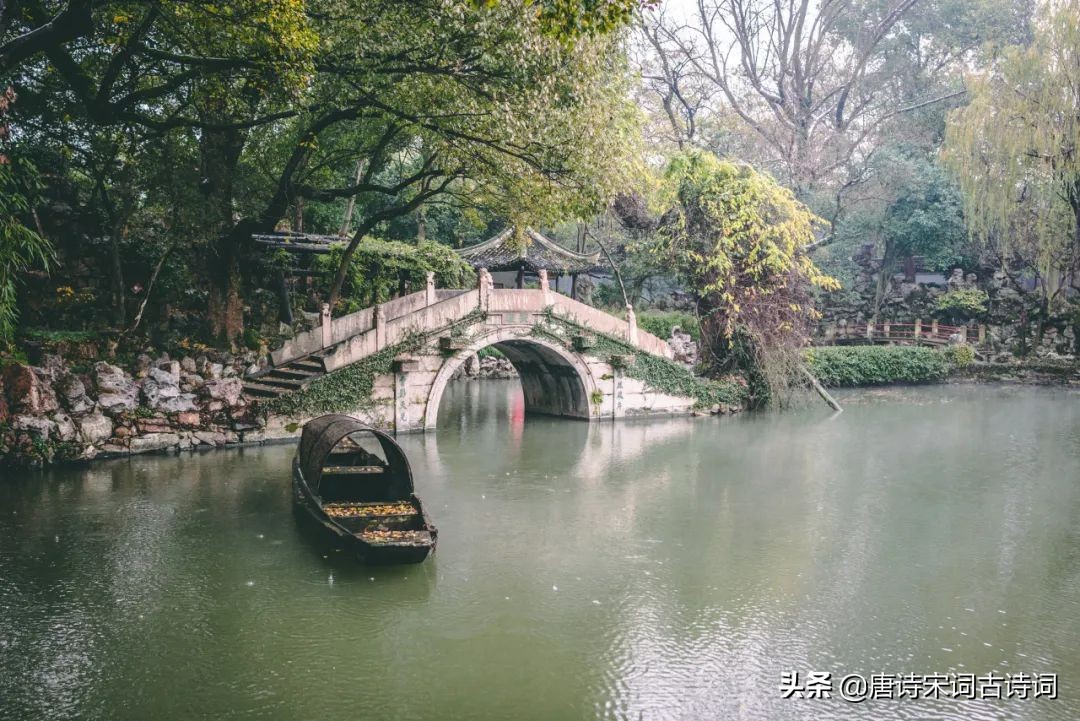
<point x="124" y="432"/>
<point x="187" y="364"/>
<point x="252" y="369"/>
<point x="168" y="366"/>
<point x="191" y="419"/>
<point x="153" y="425"/>
<point x="209" y="438"/>
<point x="65" y="427"/>
<point x="161" y="390"/>
<point x="472" y="366"/>
<point x="154" y="442"/>
<point x="214" y="371"/>
<point x="226" y="390"/>
<point x="27" y="393"/>
<point x="185" y="441"/>
<point x="684" y="347"/>
<point x="142" y="365"/>
<point x="72" y="392"/>
<point x="41" y="427"/>
<point x="116" y="392"/>
<point x="52" y="367"/>
<point x="95" y="428"/>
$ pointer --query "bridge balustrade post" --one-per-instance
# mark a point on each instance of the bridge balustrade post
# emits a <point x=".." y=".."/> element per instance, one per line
<point x="483" y="284"/>
<point x="869" y="330"/>
<point x="631" y="325"/>
<point x="887" y="324"/>
<point x="982" y="334"/>
<point x="327" y="326"/>
<point x="430" y="289"/>
<point x="918" y="327"/>
<point x="933" y="328"/>
<point x="380" y="328"/>
<point x="545" y="286"/>
<point x="963" y="334"/>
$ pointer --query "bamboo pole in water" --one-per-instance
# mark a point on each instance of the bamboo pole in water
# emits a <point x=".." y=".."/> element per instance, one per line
<point x="821" y="390"/>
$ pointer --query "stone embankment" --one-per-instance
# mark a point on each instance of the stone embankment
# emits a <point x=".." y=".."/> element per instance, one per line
<point x="53" y="411"/>
<point x="488" y="367"/>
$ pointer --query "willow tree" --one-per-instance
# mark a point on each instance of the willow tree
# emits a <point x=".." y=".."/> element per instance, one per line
<point x="737" y="237"/>
<point x="1015" y="148"/>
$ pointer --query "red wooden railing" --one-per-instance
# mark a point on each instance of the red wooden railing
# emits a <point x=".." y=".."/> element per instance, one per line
<point x="928" y="333"/>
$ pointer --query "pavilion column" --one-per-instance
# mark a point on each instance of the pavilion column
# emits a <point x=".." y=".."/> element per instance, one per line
<point x="521" y="276"/>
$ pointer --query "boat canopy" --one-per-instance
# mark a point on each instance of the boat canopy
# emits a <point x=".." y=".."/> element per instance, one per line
<point x="336" y="440"/>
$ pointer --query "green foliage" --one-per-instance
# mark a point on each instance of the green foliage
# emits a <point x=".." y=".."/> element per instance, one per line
<point x="1013" y="147"/>
<point x="840" y="366"/>
<point x="379" y="266"/>
<point x="571" y="19"/>
<point x="348" y="389"/>
<point x="960" y="355"/>
<point x="737" y="239"/>
<point x="50" y="337"/>
<point x="660" y="323"/>
<point x="962" y="305"/>
<point x="21" y="248"/>
<point x="252" y="339"/>
<point x="490" y="352"/>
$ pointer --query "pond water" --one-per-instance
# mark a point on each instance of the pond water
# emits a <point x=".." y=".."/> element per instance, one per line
<point x="670" y="569"/>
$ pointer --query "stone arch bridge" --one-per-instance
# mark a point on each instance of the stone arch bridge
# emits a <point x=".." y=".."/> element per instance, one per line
<point x="550" y="339"/>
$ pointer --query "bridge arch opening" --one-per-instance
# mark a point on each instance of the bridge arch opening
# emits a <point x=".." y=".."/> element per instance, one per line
<point x="554" y="380"/>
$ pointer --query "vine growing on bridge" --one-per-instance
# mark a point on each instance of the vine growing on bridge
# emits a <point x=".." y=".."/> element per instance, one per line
<point x="350" y="388"/>
<point x="658" y="373"/>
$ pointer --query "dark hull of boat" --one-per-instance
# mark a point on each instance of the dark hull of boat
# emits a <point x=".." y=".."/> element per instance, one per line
<point x="309" y="509"/>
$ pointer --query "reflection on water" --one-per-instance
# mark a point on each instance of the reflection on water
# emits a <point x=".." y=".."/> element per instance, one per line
<point x="667" y="569"/>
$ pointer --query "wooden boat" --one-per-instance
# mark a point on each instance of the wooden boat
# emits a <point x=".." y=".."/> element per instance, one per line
<point x="355" y="482"/>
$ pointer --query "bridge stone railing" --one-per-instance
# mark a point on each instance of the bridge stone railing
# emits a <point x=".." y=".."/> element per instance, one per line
<point x="367" y="331"/>
<point x="332" y="331"/>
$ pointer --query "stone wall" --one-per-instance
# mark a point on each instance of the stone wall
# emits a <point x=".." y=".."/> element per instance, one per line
<point x="1012" y="317"/>
<point x="53" y="412"/>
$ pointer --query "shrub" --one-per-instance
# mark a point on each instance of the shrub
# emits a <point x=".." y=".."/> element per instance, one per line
<point x="839" y="366"/>
<point x="962" y="305"/>
<point x="960" y="355"/>
<point x="660" y="323"/>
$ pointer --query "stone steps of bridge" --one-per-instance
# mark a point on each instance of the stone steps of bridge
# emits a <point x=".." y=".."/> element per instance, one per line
<point x="288" y="378"/>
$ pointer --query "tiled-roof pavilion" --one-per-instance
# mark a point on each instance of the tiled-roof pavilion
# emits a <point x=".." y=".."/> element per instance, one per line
<point x="506" y="252"/>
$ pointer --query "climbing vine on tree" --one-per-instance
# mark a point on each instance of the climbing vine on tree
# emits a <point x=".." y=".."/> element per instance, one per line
<point x="737" y="238"/>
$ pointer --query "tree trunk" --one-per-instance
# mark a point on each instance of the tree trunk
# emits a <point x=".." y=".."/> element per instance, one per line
<point x="220" y="152"/>
<point x="298" y="215"/>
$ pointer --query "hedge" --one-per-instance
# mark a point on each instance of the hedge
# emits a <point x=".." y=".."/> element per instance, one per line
<point x="839" y="366"/>
<point x="661" y="322"/>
